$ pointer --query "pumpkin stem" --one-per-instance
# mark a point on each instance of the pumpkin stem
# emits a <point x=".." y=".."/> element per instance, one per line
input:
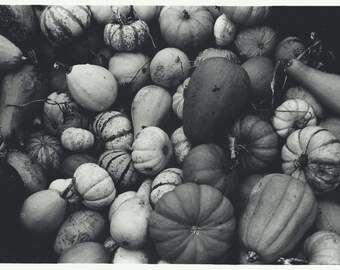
<point x="291" y="261"/>
<point x="186" y="15"/>
<point x="233" y="153"/>
<point x="68" y="188"/>
<point x="301" y="162"/>
<point x="252" y="256"/>
<point x="128" y="148"/>
<point x="58" y="65"/>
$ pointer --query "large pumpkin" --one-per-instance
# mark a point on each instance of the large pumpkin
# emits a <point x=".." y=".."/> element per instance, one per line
<point x="247" y="15"/>
<point x="279" y="211"/>
<point x="210" y="100"/>
<point x="192" y="224"/>
<point x="312" y="154"/>
<point x="186" y="27"/>
<point x="253" y="143"/>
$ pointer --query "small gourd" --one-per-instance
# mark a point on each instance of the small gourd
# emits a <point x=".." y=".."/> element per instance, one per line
<point x="224" y="31"/>
<point x="180" y="144"/>
<point x="77" y="139"/>
<point x="178" y="98"/>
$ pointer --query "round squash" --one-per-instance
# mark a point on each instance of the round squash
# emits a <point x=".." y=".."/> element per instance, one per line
<point x="77" y="139"/>
<point x="289" y="48"/>
<point x="215" y="11"/>
<point x="312" y="154"/>
<point x="332" y="124"/>
<point x="122" y="197"/>
<point x="192" y="224"/>
<point x="216" y="52"/>
<point x="279" y="211"/>
<point x="178" y="98"/>
<point x="146" y="13"/>
<point x="247" y="15"/>
<point x="180" y="145"/>
<point x="73" y="161"/>
<point x="102" y="14"/>
<point x="224" y="31"/>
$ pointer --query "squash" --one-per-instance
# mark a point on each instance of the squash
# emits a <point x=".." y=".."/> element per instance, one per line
<point x="146" y="13"/>
<point x="11" y="57"/>
<point x="224" y="31"/>
<point x="288" y="48"/>
<point x="328" y="217"/>
<point x="61" y="186"/>
<point x="102" y="14"/>
<point x="253" y="144"/>
<point x="110" y="245"/>
<point x="178" y="98"/>
<point x="102" y="57"/>
<point x="81" y="226"/>
<point x="131" y="70"/>
<point x="87" y="252"/>
<point x="151" y="106"/>
<point x="215" y="11"/>
<point x="291" y="115"/>
<point x="61" y="112"/>
<point x="322" y="247"/>
<point x="73" y="161"/>
<point x="63" y="24"/>
<point x="46" y="150"/>
<point x="186" y="27"/>
<point x="164" y="182"/>
<point x="187" y="217"/>
<point x="151" y="150"/>
<point x="43" y="211"/>
<point x="209" y="164"/>
<point x="247" y="15"/>
<point x="77" y="139"/>
<point x="216" y="52"/>
<point x="127" y="36"/>
<point x="312" y="154"/>
<point x="122" y="197"/>
<point x="121" y="13"/>
<point x="169" y="67"/>
<point x="324" y="86"/>
<point x="119" y="165"/>
<point x="114" y="129"/>
<point x="332" y="124"/>
<point x="279" y="211"/>
<point x="180" y="144"/>
<point x="210" y="100"/>
<point x="256" y="41"/>
<point x="123" y="255"/>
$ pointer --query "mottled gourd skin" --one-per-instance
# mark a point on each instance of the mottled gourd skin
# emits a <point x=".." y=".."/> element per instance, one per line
<point x="247" y="15"/>
<point x="209" y="106"/>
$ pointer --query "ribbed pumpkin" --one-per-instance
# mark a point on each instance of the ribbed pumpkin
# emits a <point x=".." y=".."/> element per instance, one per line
<point x="180" y="145"/>
<point x="62" y="24"/>
<point x="119" y="165"/>
<point x="224" y="31"/>
<point x="114" y="129"/>
<point x="186" y="27"/>
<point x="178" y="98"/>
<point x="312" y="154"/>
<point x="279" y="211"/>
<point x="254" y="144"/>
<point x="216" y="52"/>
<point x="247" y="15"/>
<point x="291" y="115"/>
<point x="128" y="36"/>
<point x="192" y="224"/>
<point x="46" y="150"/>
<point x="77" y="139"/>
<point x="210" y="101"/>
<point x="208" y="164"/>
<point x="151" y="150"/>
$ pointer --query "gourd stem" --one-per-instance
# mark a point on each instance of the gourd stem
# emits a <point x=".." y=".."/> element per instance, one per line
<point x="128" y="148"/>
<point x="233" y="154"/>
<point x="252" y="256"/>
<point x="68" y="188"/>
<point x="23" y="58"/>
<point x="186" y="15"/>
<point x="58" y="65"/>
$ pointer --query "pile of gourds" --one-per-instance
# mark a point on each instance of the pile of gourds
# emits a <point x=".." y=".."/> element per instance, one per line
<point x="166" y="134"/>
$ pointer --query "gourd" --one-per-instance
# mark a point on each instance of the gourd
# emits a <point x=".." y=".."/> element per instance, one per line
<point x="77" y="139"/>
<point x="210" y="100"/>
<point x="122" y="255"/>
<point x="73" y="161"/>
<point x="312" y="154"/>
<point x="180" y="144"/>
<point x="122" y="197"/>
<point x="289" y="48"/>
<point x="147" y="13"/>
<point x="215" y="11"/>
<point x="151" y="150"/>
<point x="278" y="213"/>
<point x="11" y="57"/>
<point x="324" y="86"/>
<point x="216" y="52"/>
<point x="224" y="31"/>
<point x="178" y="98"/>
<point x="114" y="129"/>
<point x="186" y="27"/>
<point x="328" y="217"/>
<point x="247" y="15"/>
<point x="102" y="14"/>
<point x="332" y="124"/>
<point x="61" y="185"/>
<point x="187" y="217"/>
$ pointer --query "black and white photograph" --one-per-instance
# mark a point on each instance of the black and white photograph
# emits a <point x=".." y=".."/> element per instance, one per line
<point x="165" y="134"/>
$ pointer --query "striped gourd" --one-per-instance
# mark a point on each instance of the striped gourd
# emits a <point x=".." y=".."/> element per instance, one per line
<point x="180" y="144"/>
<point x="62" y="24"/>
<point x="119" y="165"/>
<point x="46" y="150"/>
<point x="114" y="129"/>
<point x="164" y="182"/>
<point x="126" y="37"/>
<point x="178" y="98"/>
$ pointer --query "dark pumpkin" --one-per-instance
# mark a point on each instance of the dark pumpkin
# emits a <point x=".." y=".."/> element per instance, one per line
<point x="210" y="100"/>
<point x="72" y="162"/>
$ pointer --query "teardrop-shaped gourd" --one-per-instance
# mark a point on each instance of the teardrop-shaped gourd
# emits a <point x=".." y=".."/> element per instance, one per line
<point x="180" y="144"/>
<point x="150" y="107"/>
<point x="10" y="55"/>
<point x="43" y="211"/>
<point x="224" y="31"/>
<point x="178" y="98"/>
<point x="77" y="139"/>
<point x="92" y="87"/>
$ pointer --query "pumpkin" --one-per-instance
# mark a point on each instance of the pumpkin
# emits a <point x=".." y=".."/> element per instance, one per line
<point x="278" y="213"/>
<point x="102" y="14"/>
<point x="146" y="13"/>
<point x="178" y="98"/>
<point x="131" y="70"/>
<point x="120" y="13"/>
<point x="215" y="11"/>
<point x="118" y="201"/>
<point x="77" y="139"/>
<point x="322" y="247"/>
<point x="62" y="24"/>
<point x="216" y="52"/>
<point x="256" y="41"/>
<point x="209" y="164"/>
<point x="164" y="182"/>
<point x="291" y="115"/>
<point x="312" y="154"/>
<point x="288" y="48"/>
<point x="186" y="27"/>
<point x="253" y="143"/>
<point x="61" y="112"/>
<point x="46" y="150"/>
<point x="128" y="36"/>
<point x="332" y="124"/>
<point x="328" y="217"/>
<point x="180" y="145"/>
<point x="151" y="150"/>
<point x="192" y="224"/>
<point x="119" y="165"/>
<point x="72" y="161"/>
<point x="247" y="15"/>
<point x="210" y="100"/>
<point x="61" y="185"/>
<point x="93" y="186"/>
<point x="224" y="31"/>
<point x="114" y="129"/>
<point x="169" y="67"/>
